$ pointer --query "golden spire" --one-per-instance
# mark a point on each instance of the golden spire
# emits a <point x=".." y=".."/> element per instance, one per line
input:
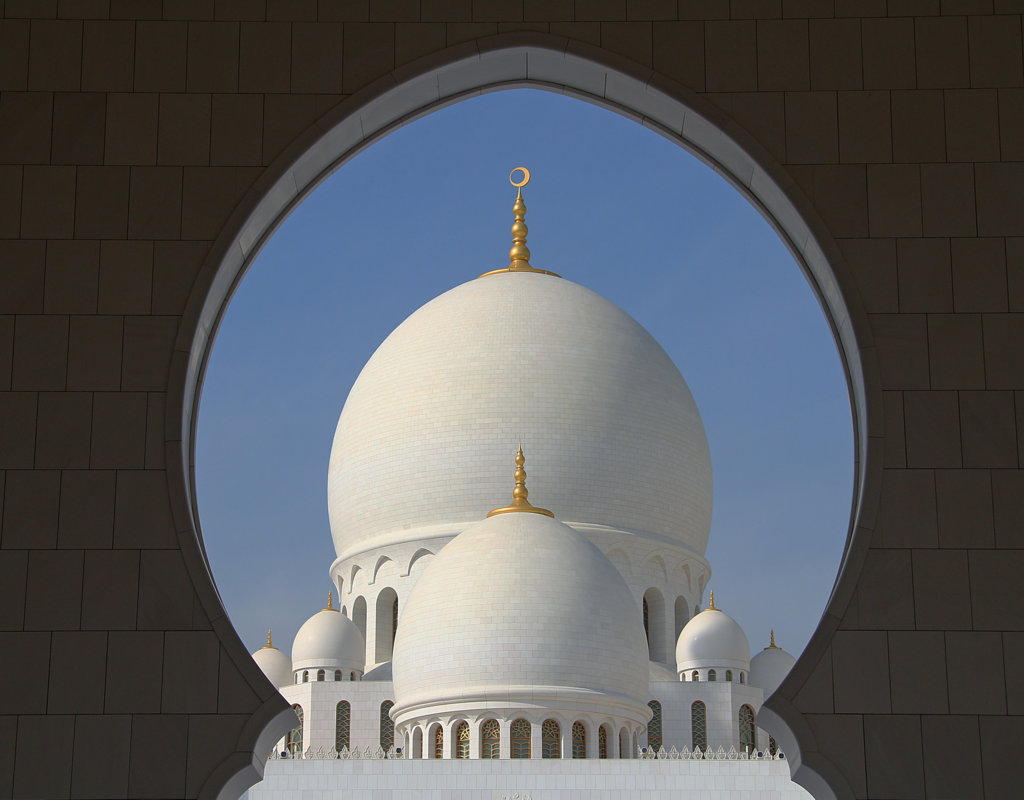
<point x="773" y="646"/>
<point x="520" y="493"/>
<point x="330" y="601"/>
<point x="269" y="645"/>
<point x="519" y="255"/>
<point x="712" y="606"/>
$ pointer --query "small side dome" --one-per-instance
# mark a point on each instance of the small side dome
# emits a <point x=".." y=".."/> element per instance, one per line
<point x="770" y="667"/>
<point x="660" y="673"/>
<point x="712" y="639"/>
<point x="330" y="640"/>
<point x="275" y="664"/>
<point x="381" y="672"/>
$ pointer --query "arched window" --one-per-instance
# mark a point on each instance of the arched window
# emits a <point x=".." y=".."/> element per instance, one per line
<point x="712" y="675"/>
<point x="550" y="739"/>
<point x="579" y="740"/>
<point x="320" y="675"/>
<point x="654" y="726"/>
<point x="387" y="727"/>
<point x="439" y="742"/>
<point x="743" y="677"/>
<point x="773" y="748"/>
<point x="305" y="676"/>
<point x="293" y="744"/>
<point x="728" y="675"/>
<point x="462" y="740"/>
<point x="748" y="740"/>
<point x="647" y="621"/>
<point x="519" y="738"/>
<point x="699" y="725"/>
<point x="490" y="739"/>
<point x="351" y="676"/>
<point x="695" y="676"/>
<point x="602" y="742"/>
<point x="342" y="725"/>
<point x="338" y="676"/>
<point x="394" y="621"/>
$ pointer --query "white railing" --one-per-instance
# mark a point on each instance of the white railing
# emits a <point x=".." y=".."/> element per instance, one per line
<point x="643" y="753"/>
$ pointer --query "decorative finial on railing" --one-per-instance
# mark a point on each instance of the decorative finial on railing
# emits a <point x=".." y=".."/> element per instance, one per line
<point x="520" y="493"/>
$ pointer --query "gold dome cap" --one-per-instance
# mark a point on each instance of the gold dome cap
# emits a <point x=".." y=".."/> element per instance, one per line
<point x="519" y="255"/>
<point x="520" y="493"/>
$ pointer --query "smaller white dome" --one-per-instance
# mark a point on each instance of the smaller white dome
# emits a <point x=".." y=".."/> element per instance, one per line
<point x="770" y="667"/>
<point x="330" y="640"/>
<point x="275" y="664"/>
<point x="659" y="672"/>
<point x="381" y="672"/>
<point x="712" y="639"/>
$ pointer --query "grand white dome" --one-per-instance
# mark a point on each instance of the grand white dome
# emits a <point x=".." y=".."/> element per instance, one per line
<point x="328" y="640"/>
<point x="712" y="639"/>
<point x="615" y="435"/>
<point x="520" y="611"/>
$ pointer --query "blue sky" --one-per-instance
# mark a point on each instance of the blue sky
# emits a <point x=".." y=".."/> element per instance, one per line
<point x="612" y="206"/>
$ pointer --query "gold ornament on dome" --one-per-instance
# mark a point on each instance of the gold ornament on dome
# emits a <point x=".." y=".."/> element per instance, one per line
<point x="519" y="255"/>
<point x="520" y="493"/>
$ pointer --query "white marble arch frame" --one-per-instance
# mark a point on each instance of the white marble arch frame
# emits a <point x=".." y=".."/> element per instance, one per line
<point x="589" y="73"/>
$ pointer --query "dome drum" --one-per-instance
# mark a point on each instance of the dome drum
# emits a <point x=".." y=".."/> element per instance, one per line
<point x="328" y="640"/>
<point x="712" y="640"/>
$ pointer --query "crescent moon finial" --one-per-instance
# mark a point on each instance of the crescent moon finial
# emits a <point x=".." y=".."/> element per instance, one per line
<point x="524" y="181"/>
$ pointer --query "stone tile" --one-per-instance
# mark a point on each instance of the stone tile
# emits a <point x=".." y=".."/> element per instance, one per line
<point x="942" y="595"/>
<point x="94" y="353"/>
<point x="1000" y="193"/>
<point x="10" y="201"/>
<point x="48" y="203"/>
<point x="54" y="589"/>
<point x="902" y="344"/>
<point x="17" y="429"/>
<point x="156" y="405"/>
<point x="1001" y="736"/>
<point x="108" y="56"/>
<point x="101" y="762"/>
<point x="1013" y="652"/>
<point x="155" y="211"/>
<point x="25" y="127"/>
<point x="892" y="750"/>
<point x="894" y="200"/>
<point x="874" y="265"/>
<point x="110" y="592"/>
<point x="175" y="266"/>
<point x="842" y="736"/>
<point x="925" y="275"/>
<point x="933" y="421"/>
<point x="972" y="125"/>
<point x="265" y="55"/>
<point x="13" y="575"/>
<point x="989" y="429"/>
<point x="63" y="426"/>
<point x="947" y="200"/>
<point x="189" y="9"/>
<point x="783" y="60"/>
<point x="42" y="765"/>
<point x="72" y="270"/>
<point x="23" y="680"/>
<point x="888" y="48"/>
<point x="159" y="745"/>
<point x="812" y="135"/>
<point x="134" y="671"/>
<point x="284" y="117"/>
<point x="77" y="665"/>
<point x="975" y="662"/>
<point x="895" y="441"/>
<point x="166" y="602"/>
<point x="147" y="351"/>
<point x="730" y="56"/>
<point x="416" y="39"/>
<point x="186" y="654"/>
<point x="997" y="594"/>
<point x="209" y="196"/>
<point x="839" y="193"/>
<point x="184" y="136"/>
<point x="860" y="668"/>
<point x="86" y="517"/>
<point x="1004" y="350"/>
<point x="941" y="50"/>
<point x="142" y="510"/>
<point x="118" y="430"/>
<point x="956" y="351"/>
<point x="1008" y="507"/>
<point x="236" y="137"/>
<point x="917" y="667"/>
<point x="240" y="9"/>
<point x="1015" y="273"/>
<point x="6" y="351"/>
<point x="213" y="57"/>
<point x="884" y="597"/>
<point x="55" y="56"/>
<point x="125" y="277"/>
<point x="865" y="127"/>
<point x="317" y="52"/>
<point x="1011" y="124"/>
<point x="78" y="125"/>
<point x="22" y="268"/>
<point x="14" y="41"/>
<point x="964" y="508"/>
<point x="205" y="732"/>
<point x="816" y="696"/>
<point x="835" y="54"/>
<point x="160" y="49"/>
<point x="30" y="508"/>
<point x="132" y="124"/>
<point x="101" y="198"/>
<point x="995" y="52"/>
<point x="948" y="778"/>
<point x="918" y="126"/>
<point x="9" y="733"/>
<point x="979" y="275"/>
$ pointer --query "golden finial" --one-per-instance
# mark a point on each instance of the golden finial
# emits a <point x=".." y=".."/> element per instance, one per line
<point x="330" y="601"/>
<point x="773" y="646"/>
<point x="712" y="606"/>
<point x="519" y="255"/>
<point x="269" y="645"/>
<point x="520" y="493"/>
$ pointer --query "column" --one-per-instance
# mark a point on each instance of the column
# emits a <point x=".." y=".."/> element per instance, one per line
<point x="474" y="739"/>
<point x="535" y="739"/>
<point x="593" y="741"/>
<point x="505" y="745"/>
<point x="566" y="732"/>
